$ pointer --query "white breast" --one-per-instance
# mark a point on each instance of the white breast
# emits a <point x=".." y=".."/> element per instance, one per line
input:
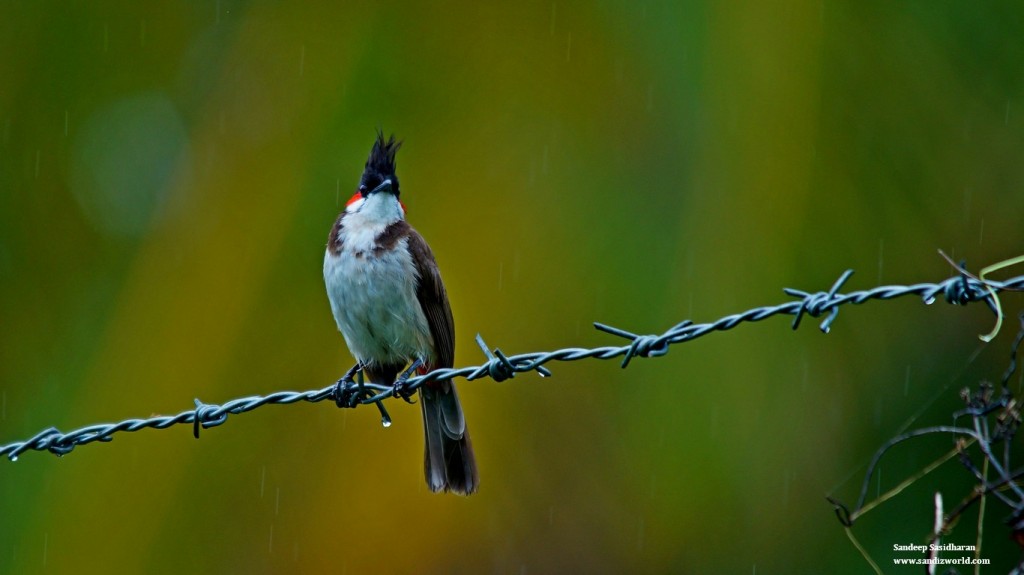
<point x="373" y="296"/>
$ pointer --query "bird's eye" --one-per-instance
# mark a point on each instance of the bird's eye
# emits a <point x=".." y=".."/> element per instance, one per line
<point x="369" y="183"/>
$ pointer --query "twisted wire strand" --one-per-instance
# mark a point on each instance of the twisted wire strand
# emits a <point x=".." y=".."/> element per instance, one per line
<point x="958" y="290"/>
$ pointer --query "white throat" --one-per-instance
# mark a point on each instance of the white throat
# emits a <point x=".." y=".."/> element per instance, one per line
<point x="380" y="209"/>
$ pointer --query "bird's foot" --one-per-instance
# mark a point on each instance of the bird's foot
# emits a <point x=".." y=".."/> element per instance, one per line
<point x="401" y="386"/>
<point x="347" y="392"/>
<point x="401" y="389"/>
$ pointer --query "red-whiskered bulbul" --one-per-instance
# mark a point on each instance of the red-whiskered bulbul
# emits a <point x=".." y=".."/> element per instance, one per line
<point x="390" y="304"/>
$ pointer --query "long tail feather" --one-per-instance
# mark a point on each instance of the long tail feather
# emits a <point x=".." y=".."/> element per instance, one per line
<point x="449" y="462"/>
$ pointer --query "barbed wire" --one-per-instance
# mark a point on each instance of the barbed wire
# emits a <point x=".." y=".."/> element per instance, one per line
<point x="961" y="289"/>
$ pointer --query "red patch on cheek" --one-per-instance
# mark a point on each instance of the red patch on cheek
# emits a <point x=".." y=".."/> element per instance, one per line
<point x="355" y="198"/>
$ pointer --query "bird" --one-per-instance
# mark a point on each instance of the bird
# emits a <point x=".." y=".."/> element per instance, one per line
<point x="392" y="309"/>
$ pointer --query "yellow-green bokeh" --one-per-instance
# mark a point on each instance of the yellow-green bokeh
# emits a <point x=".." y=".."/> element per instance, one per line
<point x="169" y="173"/>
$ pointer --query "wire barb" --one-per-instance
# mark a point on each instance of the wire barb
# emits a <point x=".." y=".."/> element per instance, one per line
<point x="207" y="415"/>
<point x="960" y="290"/>
<point x="818" y="303"/>
<point x="643" y="345"/>
<point x="499" y="368"/>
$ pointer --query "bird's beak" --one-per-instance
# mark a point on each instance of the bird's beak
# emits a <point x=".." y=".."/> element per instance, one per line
<point x="384" y="186"/>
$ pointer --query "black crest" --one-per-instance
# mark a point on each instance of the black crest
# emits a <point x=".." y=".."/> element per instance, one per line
<point x="381" y="163"/>
<point x="382" y="156"/>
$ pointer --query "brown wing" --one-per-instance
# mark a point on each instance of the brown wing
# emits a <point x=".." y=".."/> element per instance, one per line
<point x="434" y="300"/>
<point x="334" y="238"/>
<point x="449" y="461"/>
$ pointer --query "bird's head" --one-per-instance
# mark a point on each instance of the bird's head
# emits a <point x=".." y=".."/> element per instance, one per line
<point x="378" y="186"/>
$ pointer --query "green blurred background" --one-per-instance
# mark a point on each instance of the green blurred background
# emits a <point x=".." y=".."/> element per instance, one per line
<point x="169" y="173"/>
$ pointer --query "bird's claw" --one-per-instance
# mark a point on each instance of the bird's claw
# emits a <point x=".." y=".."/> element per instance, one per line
<point x="346" y="393"/>
<point x="401" y="386"/>
<point x="401" y="389"/>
